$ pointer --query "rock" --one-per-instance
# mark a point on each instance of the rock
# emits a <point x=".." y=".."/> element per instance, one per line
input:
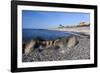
<point x="59" y="43"/>
<point x="65" y="48"/>
<point x="40" y="48"/>
<point x="64" y="44"/>
<point x="29" y="47"/>
<point x="72" y="41"/>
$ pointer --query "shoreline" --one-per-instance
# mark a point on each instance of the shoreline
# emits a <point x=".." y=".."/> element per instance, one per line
<point x="83" y="29"/>
<point x="78" y="52"/>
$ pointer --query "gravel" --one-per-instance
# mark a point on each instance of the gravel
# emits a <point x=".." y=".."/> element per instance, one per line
<point x="78" y="52"/>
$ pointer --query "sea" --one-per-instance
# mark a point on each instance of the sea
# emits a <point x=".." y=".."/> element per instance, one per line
<point x="43" y="34"/>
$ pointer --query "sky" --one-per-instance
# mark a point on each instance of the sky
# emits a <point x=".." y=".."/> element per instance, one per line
<point x="48" y="20"/>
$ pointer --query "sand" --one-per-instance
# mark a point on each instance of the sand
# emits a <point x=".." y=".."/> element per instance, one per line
<point x="84" y="29"/>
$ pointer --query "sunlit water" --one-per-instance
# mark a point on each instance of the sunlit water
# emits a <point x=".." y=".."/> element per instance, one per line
<point x="43" y="34"/>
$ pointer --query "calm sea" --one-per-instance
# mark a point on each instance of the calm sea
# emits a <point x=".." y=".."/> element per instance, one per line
<point x="43" y="34"/>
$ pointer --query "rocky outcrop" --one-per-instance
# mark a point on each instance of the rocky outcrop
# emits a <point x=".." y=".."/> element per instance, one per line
<point x="60" y="43"/>
<point x="80" y="51"/>
<point x="66" y="43"/>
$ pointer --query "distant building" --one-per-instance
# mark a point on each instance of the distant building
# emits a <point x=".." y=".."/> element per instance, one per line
<point x="83" y="24"/>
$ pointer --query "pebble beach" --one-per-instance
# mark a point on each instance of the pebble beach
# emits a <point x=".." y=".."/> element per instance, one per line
<point x="78" y="52"/>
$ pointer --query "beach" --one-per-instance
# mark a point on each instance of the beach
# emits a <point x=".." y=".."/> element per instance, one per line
<point x="79" y="51"/>
<point x="81" y="29"/>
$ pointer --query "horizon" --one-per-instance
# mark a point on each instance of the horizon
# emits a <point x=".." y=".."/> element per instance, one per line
<point x="49" y="20"/>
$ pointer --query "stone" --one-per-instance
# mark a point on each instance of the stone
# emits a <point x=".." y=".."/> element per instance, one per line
<point x="72" y="41"/>
<point x="29" y="47"/>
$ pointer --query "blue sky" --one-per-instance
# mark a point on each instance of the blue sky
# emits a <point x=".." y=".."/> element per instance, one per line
<point x="48" y="20"/>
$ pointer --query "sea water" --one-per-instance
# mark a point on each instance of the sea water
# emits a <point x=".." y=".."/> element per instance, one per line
<point x="43" y="34"/>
